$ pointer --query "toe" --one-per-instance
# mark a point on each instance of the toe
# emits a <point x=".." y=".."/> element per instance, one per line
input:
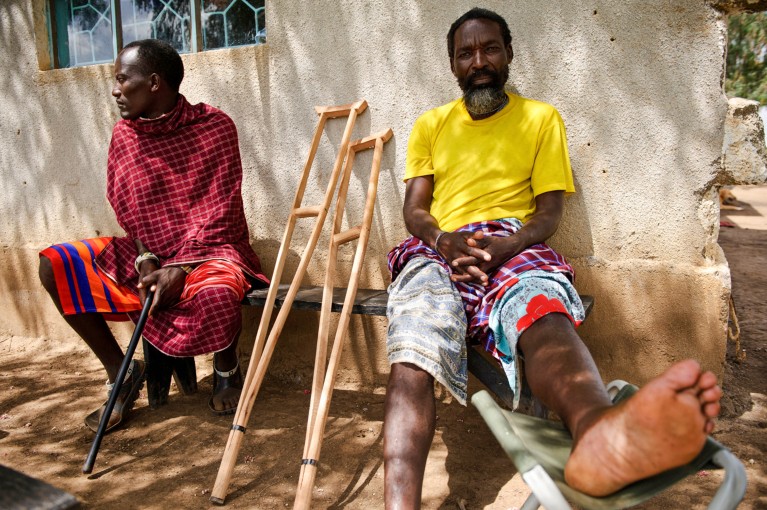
<point x="219" y="403"/>
<point x="711" y="410"/>
<point x="226" y="399"/>
<point x="232" y="399"/>
<point x="682" y="375"/>
<point x="710" y="395"/>
<point x="707" y="380"/>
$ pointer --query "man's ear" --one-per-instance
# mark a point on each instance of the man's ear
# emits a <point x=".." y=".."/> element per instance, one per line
<point x="510" y="52"/>
<point x="154" y="80"/>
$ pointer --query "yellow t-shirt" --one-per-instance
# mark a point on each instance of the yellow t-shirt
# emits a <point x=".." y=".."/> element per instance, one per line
<point x="491" y="168"/>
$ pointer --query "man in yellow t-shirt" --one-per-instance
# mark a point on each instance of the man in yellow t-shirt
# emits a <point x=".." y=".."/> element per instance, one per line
<point x="512" y="157"/>
<point x="486" y="176"/>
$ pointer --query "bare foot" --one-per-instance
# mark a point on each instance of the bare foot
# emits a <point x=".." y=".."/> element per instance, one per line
<point x="226" y="400"/>
<point x="226" y="393"/>
<point x="664" y="425"/>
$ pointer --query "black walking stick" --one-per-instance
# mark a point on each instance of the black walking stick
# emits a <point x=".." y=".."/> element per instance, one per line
<point x="88" y="466"/>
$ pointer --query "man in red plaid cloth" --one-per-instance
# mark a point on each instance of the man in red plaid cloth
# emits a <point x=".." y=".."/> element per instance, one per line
<point x="486" y="176"/>
<point x="174" y="181"/>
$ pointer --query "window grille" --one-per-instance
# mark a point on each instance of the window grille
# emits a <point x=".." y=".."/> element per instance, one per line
<point x="85" y="32"/>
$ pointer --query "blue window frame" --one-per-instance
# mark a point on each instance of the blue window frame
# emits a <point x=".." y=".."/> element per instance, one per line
<point x="85" y="32"/>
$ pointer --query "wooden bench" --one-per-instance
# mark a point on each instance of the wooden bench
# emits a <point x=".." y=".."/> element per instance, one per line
<point x="160" y="367"/>
<point x="373" y="302"/>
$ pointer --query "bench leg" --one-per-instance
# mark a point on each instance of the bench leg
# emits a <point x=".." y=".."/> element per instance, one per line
<point x="185" y="375"/>
<point x="160" y="367"/>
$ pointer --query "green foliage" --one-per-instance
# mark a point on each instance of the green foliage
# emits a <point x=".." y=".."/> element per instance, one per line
<point x="747" y="56"/>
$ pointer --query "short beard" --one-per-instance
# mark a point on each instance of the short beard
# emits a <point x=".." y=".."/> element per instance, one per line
<point x="487" y="98"/>
<point x="483" y="100"/>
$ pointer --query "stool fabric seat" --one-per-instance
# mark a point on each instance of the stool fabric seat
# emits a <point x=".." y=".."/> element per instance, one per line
<point x="540" y="449"/>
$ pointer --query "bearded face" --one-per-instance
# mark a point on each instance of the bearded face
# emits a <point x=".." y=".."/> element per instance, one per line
<point x="487" y="95"/>
<point x="480" y="63"/>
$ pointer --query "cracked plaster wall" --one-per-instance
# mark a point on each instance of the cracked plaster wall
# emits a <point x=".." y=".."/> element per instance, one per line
<point x="638" y="83"/>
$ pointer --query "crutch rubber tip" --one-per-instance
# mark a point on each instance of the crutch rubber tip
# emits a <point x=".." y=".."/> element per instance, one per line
<point x="216" y="501"/>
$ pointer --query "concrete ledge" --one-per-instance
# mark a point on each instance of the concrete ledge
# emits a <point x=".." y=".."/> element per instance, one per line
<point x="650" y="314"/>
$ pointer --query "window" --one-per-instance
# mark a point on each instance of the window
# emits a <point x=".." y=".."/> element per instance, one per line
<point x="81" y="31"/>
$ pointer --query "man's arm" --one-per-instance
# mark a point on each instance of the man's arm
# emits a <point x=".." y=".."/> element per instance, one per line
<point x="421" y="224"/>
<point x="166" y="282"/>
<point x="542" y="225"/>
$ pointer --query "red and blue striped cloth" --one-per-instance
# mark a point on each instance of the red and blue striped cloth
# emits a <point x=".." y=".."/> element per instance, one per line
<point x="82" y="286"/>
<point x="478" y="300"/>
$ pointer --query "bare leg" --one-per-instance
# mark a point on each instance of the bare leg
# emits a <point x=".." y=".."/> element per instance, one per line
<point x="663" y="426"/>
<point x="227" y="394"/>
<point x="409" y="422"/>
<point x="561" y="371"/>
<point x="94" y="330"/>
<point x="90" y="326"/>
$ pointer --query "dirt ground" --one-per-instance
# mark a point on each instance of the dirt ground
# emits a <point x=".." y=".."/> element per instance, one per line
<point x="168" y="458"/>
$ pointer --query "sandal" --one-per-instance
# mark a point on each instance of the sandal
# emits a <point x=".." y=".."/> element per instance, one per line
<point x="129" y="390"/>
<point x="221" y="382"/>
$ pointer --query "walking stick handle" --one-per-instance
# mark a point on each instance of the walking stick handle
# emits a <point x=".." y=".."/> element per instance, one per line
<point x="88" y="466"/>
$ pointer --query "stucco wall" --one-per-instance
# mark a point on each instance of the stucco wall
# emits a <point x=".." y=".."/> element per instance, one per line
<point x="638" y="83"/>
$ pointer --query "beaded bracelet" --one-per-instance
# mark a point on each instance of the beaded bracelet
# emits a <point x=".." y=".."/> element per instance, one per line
<point x="147" y="255"/>
<point x="436" y="241"/>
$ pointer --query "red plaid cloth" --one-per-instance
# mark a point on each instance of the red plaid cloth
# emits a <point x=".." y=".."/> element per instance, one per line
<point x="175" y="183"/>
<point x="209" y="315"/>
<point x="478" y="300"/>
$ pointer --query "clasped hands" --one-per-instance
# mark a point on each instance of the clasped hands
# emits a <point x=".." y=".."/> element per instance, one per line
<point x="167" y="283"/>
<point x="474" y="255"/>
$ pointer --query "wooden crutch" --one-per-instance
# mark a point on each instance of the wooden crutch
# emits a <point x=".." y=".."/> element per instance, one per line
<point x="320" y="359"/>
<point x="263" y="349"/>
<point x="318" y="417"/>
